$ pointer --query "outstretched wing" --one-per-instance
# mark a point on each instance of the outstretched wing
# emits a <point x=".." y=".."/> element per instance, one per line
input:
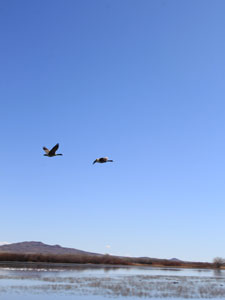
<point x="54" y="149"/>
<point x="46" y="150"/>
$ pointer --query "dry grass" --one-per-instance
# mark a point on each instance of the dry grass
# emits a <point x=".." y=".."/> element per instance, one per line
<point x="97" y="259"/>
<point x="68" y="258"/>
<point x="128" y="286"/>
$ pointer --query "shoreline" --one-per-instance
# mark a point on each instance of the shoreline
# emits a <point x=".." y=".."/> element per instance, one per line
<point x="52" y="265"/>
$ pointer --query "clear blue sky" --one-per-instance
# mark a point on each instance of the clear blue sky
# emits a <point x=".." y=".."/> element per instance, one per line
<point x="142" y="82"/>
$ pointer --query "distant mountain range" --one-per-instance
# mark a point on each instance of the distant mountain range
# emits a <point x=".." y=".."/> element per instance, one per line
<point x="175" y="259"/>
<point x="41" y="248"/>
<point x="38" y="252"/>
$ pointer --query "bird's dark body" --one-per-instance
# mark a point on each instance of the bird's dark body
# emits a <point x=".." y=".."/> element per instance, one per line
<point x="52" y="152"/>
<point x="102" y="160"/>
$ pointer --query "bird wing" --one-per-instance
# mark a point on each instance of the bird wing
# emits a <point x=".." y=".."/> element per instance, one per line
<point x="54" y="149"/>
<point x="46" y="150"/>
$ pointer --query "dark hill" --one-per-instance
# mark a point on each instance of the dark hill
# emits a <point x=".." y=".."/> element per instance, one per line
<point x="41" y="248"/>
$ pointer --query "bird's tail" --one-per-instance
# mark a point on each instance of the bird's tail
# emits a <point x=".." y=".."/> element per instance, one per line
<point x="59" y="154"/>
<point x="110" y="160"/>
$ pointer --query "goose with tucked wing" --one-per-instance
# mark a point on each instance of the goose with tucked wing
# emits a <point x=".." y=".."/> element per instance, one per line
<point x="102" y="160"/>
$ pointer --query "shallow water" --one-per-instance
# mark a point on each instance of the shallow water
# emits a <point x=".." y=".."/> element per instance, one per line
<point x="84" y="270"/>
<point x="91" y="282"/>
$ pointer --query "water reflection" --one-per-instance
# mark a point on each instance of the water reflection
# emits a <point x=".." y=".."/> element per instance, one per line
<point x="31" y="269"/>
<point x="218" y="272"/>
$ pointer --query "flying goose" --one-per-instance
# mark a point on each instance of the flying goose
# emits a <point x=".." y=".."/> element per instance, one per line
<point x="51" y="153"/>
<point x="102" y="160"/>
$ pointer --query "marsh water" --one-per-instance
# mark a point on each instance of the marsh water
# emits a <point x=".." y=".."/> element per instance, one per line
<point x="100" y="282"/>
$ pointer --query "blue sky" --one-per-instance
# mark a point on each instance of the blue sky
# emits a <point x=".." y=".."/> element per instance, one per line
<point x="139" y="81"/>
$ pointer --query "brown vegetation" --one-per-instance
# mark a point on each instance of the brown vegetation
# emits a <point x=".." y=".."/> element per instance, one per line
<point x="58" y="258"/>
<point x="97" y="259"/>
<point x="219" y="262"/>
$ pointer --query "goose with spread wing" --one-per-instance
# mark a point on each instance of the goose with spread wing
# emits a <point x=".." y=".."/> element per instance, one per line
<point x="52" y="152"/>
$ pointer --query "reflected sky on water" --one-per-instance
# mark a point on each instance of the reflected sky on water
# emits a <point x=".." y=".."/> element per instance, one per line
<point x="84" y="270"/>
